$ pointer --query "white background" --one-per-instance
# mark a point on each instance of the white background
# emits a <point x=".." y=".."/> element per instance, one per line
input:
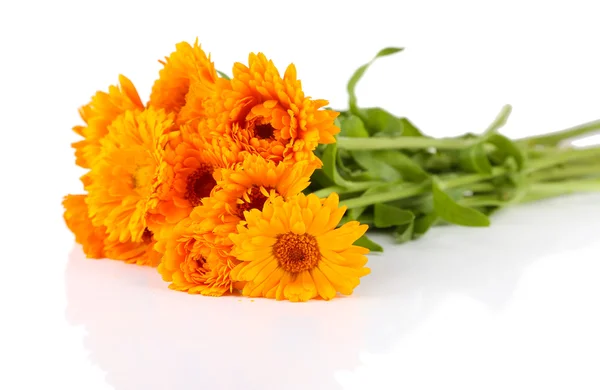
<point x="514" y="306"/>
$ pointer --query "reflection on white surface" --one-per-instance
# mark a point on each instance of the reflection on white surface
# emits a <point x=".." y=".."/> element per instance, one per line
<point x="417" y="320"/>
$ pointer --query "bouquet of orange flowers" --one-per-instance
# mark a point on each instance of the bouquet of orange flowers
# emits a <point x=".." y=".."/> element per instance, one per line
<point x="205" y="181"/>
<point x="246" y="184"/>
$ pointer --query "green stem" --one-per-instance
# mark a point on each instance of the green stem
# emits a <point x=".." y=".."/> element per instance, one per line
<point x="481" y="187"/>
<point x="482" y="200"/>
<point x="404" y="190"/>
<point x="539" y="191"/>
<point x="556" y="137"/>
<point x="500" y="120"/>
<point x="381" y="143"/>
<point x="562" y="157"/>
<point x="465" y="180"/>
<point x="400" y="192"/>
<point x="356" y="187"/>
<point x="567" y="187"/>
<point x="565" y="173"/>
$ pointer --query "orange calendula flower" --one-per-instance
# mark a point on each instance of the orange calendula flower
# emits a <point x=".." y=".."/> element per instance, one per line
<point x="95" y="241"/>
<point x="89" y="236"/>
<point x="188" y="172"/>
<point x="205" y="233"/>
<point x="247" y="187"/>
<point x="292" y="250"/>
<point x="269" y="115"/>
<point x="121" y="180"/>
<point x="188" y="75"/>
<point x="187" y="264"/>
<point x="104" y="108"/>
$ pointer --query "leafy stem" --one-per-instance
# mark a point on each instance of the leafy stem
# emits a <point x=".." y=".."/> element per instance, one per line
<point x="386" y="143"/>
<point x="554" y="138"/>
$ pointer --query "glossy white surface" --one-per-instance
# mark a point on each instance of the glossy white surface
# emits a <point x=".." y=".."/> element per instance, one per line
<point x="514" y="306"/>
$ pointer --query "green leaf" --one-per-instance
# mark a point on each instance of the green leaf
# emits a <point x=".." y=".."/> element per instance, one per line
<point x="508" y="148"/>
<point x="423" y="223"/>
<point x="377" y="168"/>
<point x="475" y="160"/>
<point x="378" y="120"/>
<point x="366" y="242"/>
<point x="404" y="233"/>
<point x="409" y="169"/>
<point x="388" y="216"/>
<point x="437" y="162"/>
<point x="224" y="75"/>
<point x="410" y="130"/>
<point x="381" y="123"/>
<point x="452" y="212"/>
<point x="352" y="126"/>
<point x="330" y="170"/>
<point x="360" y="72"/>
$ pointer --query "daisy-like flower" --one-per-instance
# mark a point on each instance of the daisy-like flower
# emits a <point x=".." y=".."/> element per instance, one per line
<point x="247" y="187"/>
<point x="188" y="172"/>
<point x="121" y="180"/>
<point x="269" y="115"/>
<point x="187" y="75"/>
<point x="103" y="109"/>
<point x="186" y="264"/>
<point x="293" y="250"/>
<point x="95" y="241"/>
<point x="89" y="236"/>
<point x="205" y="233"/>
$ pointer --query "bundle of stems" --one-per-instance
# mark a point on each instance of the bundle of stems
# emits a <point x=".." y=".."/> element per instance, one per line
<point x="395" y="178"/>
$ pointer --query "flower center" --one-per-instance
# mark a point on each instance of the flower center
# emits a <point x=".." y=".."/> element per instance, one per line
<point x="253" y="199"/>
<point x="264" y="131"/>
<point x="296" y="252"/>
<point x="199" y="184"/>
<point x="200" y="261"/>
<point x="147" y="236"/>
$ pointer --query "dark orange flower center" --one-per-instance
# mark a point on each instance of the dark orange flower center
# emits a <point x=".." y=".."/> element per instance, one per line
<point x="256" y="201"/>
<point x="264" y="131"/>
<point x="199" y="184"/>
<point x="296" y="252"/>
<point x="200" y="261"/>
<point x="147" y="236"/>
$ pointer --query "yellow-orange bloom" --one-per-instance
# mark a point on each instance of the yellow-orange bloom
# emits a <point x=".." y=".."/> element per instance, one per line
<point x="89" y="236"/>
<point x="95" y="241"/>
<point x="187" y="264"/>
<point x="187" y="173"/>
<point x="269" y="115"/>
<point x="292" y="250"/>
<point x="188" y="74"/>
<point x="247" y="187"/>
<point x="103" y="109"/>
<point x="122" y="178"/>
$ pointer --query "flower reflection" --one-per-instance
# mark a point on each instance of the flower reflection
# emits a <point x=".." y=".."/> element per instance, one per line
<point x="148" y="337"/>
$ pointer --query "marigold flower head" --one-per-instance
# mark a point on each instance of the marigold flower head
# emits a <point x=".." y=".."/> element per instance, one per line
<point x="188" y="172"/>
<point x="95" y="241"/>
<point x="89" y="236"/>
<point x="191" y="264"/>
<point x="103" y="109"/>
<point x="267" y="114"/>
<point x="293" y="250"/>
<point x="248" y="187"/>
<point x="121" y="180"/>
<point x="187" y="76"/>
